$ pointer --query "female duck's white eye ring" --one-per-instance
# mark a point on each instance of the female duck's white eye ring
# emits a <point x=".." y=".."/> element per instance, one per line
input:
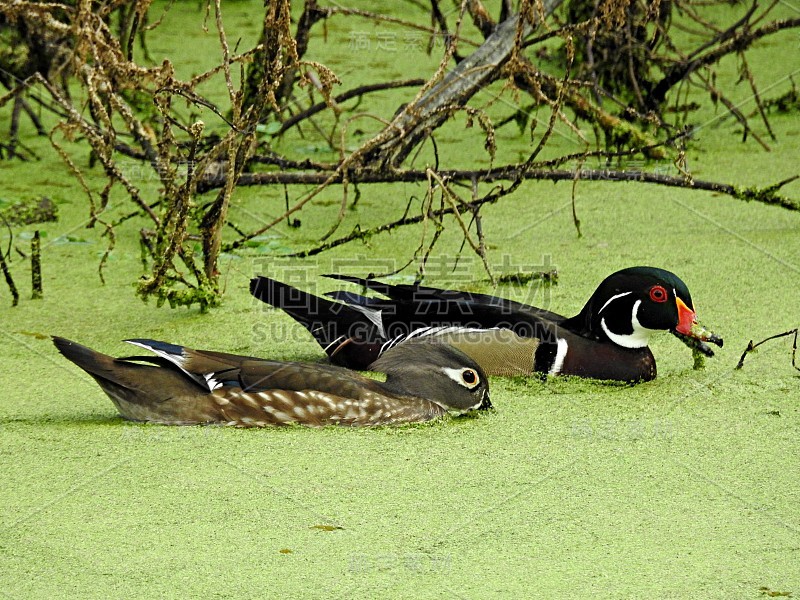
<point x="469" y="377"/>
<point x="465" y="377"/>
<point x="658" y="293"/>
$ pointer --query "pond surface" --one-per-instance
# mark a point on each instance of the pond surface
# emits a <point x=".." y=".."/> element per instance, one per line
<point x="684" y="487"/>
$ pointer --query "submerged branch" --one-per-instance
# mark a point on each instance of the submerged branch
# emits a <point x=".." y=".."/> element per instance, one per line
<point x="514" y="173"/>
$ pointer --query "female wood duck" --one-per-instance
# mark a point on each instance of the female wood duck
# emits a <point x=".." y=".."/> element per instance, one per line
<point x="182" y="386"/>
<point x="606" y="340"/>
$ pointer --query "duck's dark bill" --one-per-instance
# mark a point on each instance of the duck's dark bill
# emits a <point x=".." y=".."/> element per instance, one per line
<point x="698" y="338"/>
<point x="702" y="334"/>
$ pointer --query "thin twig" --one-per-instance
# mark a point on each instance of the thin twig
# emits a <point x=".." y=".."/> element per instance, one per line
<point x="751" y="347"/>
<point x="354" y="93"/>
<point x="6" y="272"/>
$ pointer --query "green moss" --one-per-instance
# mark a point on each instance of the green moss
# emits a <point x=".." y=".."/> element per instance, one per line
<point x="28" y="212"/>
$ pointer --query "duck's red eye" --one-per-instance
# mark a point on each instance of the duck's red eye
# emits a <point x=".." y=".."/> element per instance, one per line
<point x="469" y="376"/>
<point x="658" y="293"/>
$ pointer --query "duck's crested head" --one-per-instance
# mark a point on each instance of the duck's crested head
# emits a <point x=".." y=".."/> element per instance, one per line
<point x="631" y="304"/>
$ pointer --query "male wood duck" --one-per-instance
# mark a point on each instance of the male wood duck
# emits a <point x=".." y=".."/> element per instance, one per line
<point x="607" y="340"/>
<point x="181" y="386"/>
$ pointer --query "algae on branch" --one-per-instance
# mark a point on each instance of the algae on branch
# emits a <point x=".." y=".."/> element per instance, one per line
<point x="27" y="212"/>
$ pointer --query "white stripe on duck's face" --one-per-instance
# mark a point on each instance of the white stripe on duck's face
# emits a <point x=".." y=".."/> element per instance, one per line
<point x="635" y="335"/>
<point x="610" y="300"/>
<point x="640" y="336"/>
<point x="464" y="377"/>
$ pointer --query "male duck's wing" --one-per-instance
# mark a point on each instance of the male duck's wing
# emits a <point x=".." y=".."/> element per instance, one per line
<point x="329" y="322"/>
<point x="433" y="306"/>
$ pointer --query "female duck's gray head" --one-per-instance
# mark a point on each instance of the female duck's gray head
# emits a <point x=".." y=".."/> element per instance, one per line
<point x="437" y="372"/>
